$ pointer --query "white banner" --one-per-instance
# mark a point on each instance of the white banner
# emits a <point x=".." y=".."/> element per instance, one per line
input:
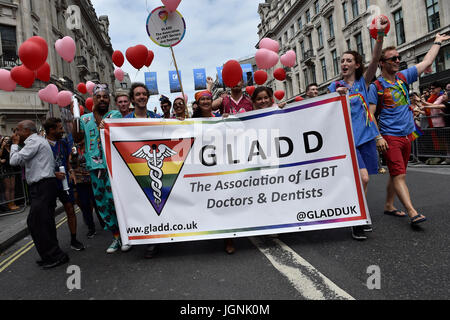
<point x="262" y="172"/>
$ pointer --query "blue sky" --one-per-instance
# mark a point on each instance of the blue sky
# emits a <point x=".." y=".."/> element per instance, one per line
<point x="217" y="31"/>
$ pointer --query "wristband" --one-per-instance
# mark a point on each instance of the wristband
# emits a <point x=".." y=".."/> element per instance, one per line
<point x="378" y="138"/>
<point x="438" y="43"/>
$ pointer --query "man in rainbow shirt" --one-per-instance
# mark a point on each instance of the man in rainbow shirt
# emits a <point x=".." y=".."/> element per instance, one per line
<point x="389" y="93"/>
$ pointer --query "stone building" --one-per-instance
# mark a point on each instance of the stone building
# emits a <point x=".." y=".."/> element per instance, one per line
<point x="22" y="19"/>
<point x="320" y="31"/>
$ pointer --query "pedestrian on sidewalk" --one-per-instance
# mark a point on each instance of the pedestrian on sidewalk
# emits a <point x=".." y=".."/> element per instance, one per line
<point x="8" y="173"/>
<point x="396" y="122"/>
<point x="37" y="158"/>
<point x="54" y="131"/>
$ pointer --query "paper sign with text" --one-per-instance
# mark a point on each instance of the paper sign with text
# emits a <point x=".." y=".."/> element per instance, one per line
<point x="261" y="172"/>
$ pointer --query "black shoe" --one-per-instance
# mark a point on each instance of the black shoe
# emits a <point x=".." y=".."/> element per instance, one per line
<point x="76" y="245"/>
<point x="49" y="265"/>
<point x="40" y="263"/>
<point x="91" y="234"/>
<point x="358" y="233"/>
<point x="367" y="228"/>
<point x="150" y="251"/>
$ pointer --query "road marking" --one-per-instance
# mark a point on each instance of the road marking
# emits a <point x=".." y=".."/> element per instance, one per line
<point x="306" y="279"/>
<point x="24" y="249"/>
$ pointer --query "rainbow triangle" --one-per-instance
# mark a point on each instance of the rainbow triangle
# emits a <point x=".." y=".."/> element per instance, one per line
<point x="140" y="168"/>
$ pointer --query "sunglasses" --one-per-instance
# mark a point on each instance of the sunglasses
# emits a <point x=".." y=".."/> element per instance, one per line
<point x="393" y="59"/>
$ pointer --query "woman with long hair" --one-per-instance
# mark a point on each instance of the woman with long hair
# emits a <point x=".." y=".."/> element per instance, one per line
<point x="355" y="82"/>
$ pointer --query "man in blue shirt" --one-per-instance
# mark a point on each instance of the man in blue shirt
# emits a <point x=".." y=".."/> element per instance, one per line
<point x="396" y="122"/>
<point x="139" y="95"/>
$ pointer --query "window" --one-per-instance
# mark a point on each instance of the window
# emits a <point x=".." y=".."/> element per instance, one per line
<point x="316" y="7"/>
<point x="335" y="62"/>
<point x="367" y="4"/>
<point x="359" y="44"/>
<point x="349" y="45"/>
<point x="302" y="49"/>
<point x="308" y="16"/>
<point x="8" y="46"/>
<point x="345" y="10"/>
<point x="320" y="36"/>
<point x="399" y="27"/>
<point x="433" y="15"/>
<point x="324" y="69"/>
<point x="300" y="23"/>
<point x="355" y="8"/>
<point x="305" y="75"/>
<point x="331" y="26"/>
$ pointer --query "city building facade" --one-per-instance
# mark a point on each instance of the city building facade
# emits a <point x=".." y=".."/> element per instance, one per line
<point x="320" y="31"/>
<point x="22" y="19"/>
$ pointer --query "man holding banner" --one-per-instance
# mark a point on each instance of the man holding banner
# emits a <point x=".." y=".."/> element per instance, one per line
<point x="90" y="125"/>
<point x="235" y="103"/>
<point x="139" y="95"/>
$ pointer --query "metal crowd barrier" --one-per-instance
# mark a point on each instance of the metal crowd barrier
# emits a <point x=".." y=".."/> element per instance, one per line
<point x="434" y="141"/>
<point x="20" y="198"/>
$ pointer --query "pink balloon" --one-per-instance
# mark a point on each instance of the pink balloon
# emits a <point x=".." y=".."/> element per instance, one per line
<point x="90" y="86"/>
<point x="6" y="82"/>
<point x="66" y="48"/>
<point x="266" y="59"/>
<point x="289" y="59"/>
<point x="171" y="5"/>
<point x="64" y="98"/>
<point x="49" y="94"/>
<point x="269" y="44"/>
<point x="119" y="74"/>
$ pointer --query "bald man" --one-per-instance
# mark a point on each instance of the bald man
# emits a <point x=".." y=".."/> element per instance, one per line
<point x="37" y="158"/>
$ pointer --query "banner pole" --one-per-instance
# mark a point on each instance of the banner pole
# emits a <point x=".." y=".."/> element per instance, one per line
<point x="178" y="73"/>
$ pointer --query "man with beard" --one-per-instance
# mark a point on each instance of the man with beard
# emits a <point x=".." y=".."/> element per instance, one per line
<point x="37" y="158"/>
<point x="234" y="103"/>
<point x="90" y="125"/>
<point x="61" y="152"/>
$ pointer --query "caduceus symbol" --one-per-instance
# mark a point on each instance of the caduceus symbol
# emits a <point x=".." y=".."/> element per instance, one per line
<point x="155" y="156"/>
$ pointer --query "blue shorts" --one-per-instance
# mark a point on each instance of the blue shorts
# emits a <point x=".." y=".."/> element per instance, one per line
<point x="368" y="157"/>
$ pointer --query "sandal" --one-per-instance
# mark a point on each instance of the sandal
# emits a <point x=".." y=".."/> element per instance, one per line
<point x="395" y="213"/>
<point x="417" y="219"/>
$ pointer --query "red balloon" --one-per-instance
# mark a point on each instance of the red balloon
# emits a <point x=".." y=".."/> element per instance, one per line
<point x="137" y="56"/>
<point x="81" y="110"/>
<point x="33" y="54"/>
<point x="82" y="88"/>
<point x="23" y="76"/>
<point x="373" y="27"/>
<point x="250" y="90"/>
<point x="260" y="77"/>
<point x="232" y="73"/>
<point x="279" y="74"/>
<point x="43" y="73"/>
<point x="89" y="104"/>
<point x="118" y="58"/>
<point x="150" y="58"/>
<point x="279" y="94"/>
<point x="298" y="99"/>
<point x="41" y="42"/>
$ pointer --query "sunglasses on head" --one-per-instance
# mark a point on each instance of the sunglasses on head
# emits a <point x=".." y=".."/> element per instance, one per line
<point x="393" y="58"/>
